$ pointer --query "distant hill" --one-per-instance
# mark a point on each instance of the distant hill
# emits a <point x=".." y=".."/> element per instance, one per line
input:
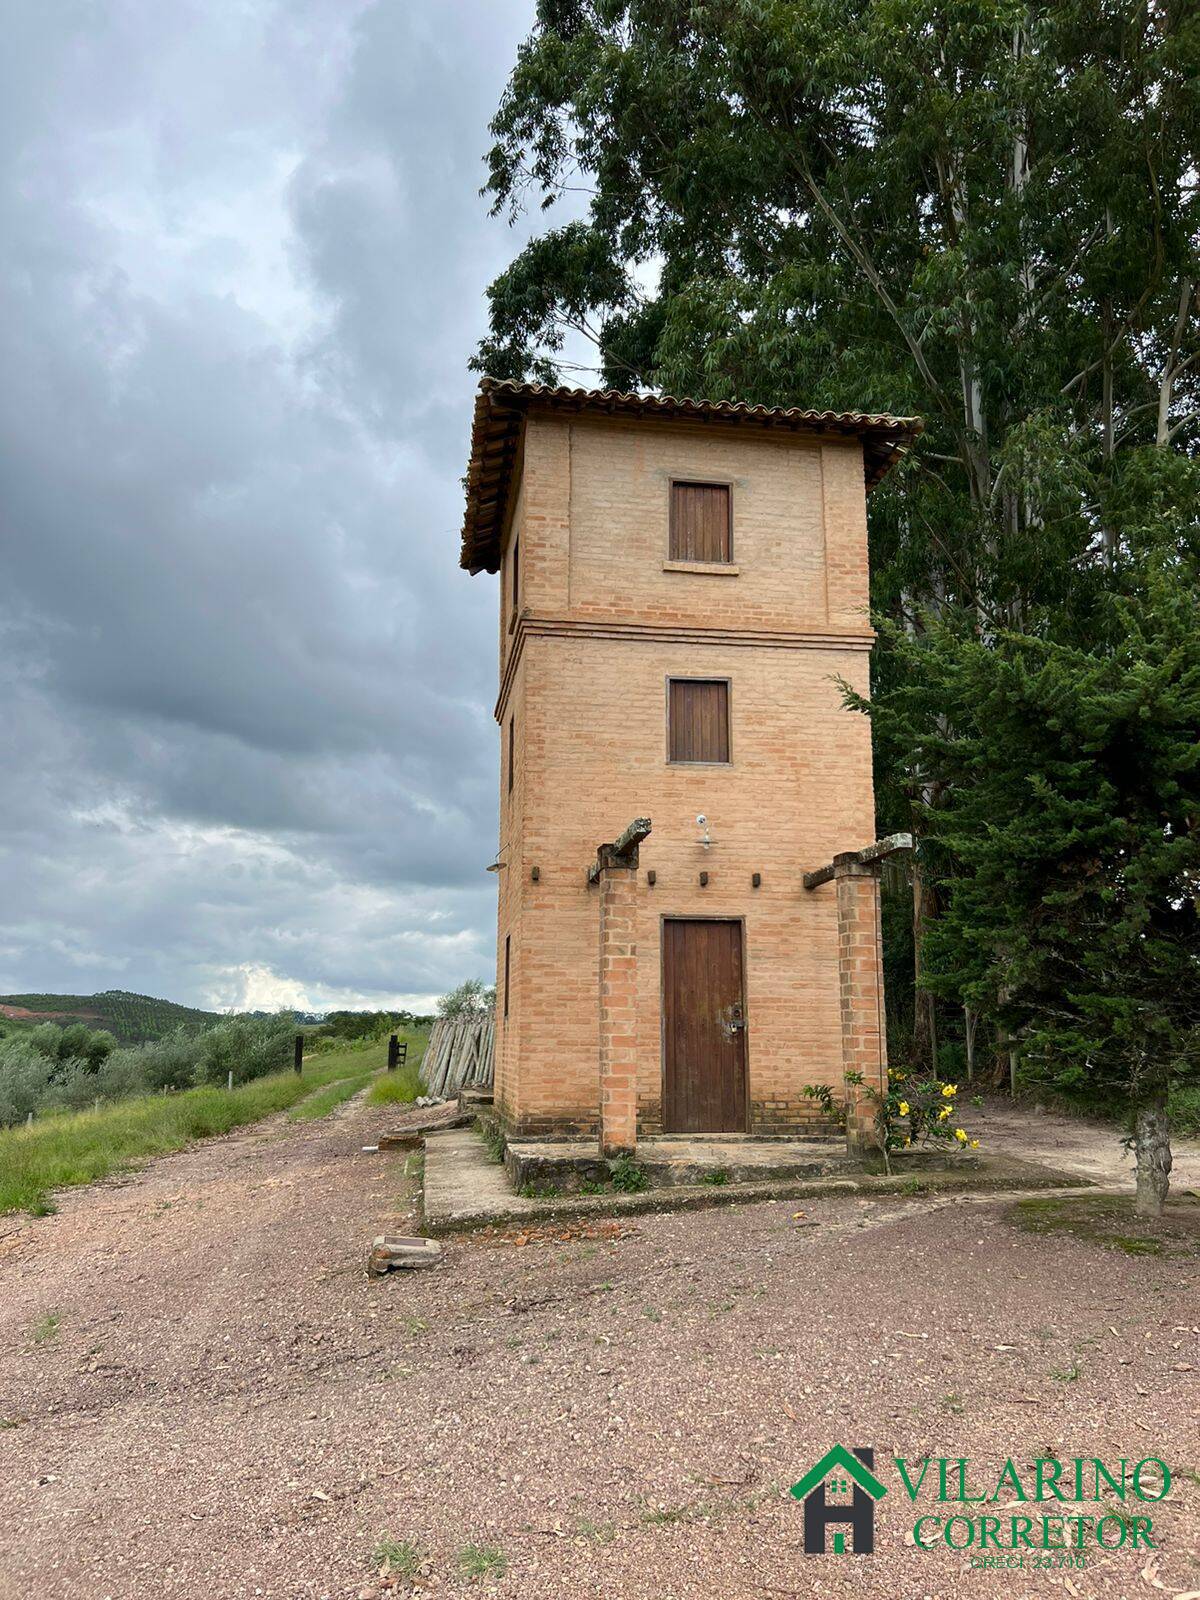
<point x="131" y="1018"/>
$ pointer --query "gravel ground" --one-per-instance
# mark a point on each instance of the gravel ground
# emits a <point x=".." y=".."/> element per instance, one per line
<point x="212" y="1400"/>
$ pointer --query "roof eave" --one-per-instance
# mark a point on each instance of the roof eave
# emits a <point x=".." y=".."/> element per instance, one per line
<point x="502" y="405"/>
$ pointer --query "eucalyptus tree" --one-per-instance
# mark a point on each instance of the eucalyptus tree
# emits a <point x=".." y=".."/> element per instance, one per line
<point x="982" y="211"/>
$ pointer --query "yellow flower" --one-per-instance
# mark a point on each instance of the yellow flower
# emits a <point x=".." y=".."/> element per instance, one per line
<point x="974" y="1144"/>
<point x="904" y="1108"/>
<point x="943" y="1113"/>
<point x="960" y="1135"/>
<point x="896" y="1077"/>
<point x="949" y="1089"/>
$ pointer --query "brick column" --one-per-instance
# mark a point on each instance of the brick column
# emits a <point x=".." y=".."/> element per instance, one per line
<point x="618" y="1005"/>
<point x="860" y="972"/>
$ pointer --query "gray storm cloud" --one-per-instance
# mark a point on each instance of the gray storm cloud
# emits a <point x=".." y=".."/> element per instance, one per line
<point x="247" y="751"/>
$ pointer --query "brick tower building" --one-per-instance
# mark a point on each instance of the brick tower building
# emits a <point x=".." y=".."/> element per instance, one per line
<point x="682" y="586"/>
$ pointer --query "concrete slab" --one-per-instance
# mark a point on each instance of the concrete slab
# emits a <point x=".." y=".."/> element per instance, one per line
<point x="464" y="1188"/>
<point x="674" y="1159"/>
<point x="463" y="1184"/>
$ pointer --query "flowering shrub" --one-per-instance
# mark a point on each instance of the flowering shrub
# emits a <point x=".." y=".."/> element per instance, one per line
<point x="917" y="1112"/>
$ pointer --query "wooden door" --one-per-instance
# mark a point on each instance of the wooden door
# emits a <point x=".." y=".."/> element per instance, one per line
<point x="704" y="1027"/>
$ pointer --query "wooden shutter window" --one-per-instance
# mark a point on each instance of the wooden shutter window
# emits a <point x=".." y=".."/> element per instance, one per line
<point x="507" y="967"/>
<point x="698" y="719"/>
<point x="700" y="522"/>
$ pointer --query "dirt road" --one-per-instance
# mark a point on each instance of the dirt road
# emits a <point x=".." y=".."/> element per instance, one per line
<point x="207" y="1398"/>
<point x="1092" y="1149"/>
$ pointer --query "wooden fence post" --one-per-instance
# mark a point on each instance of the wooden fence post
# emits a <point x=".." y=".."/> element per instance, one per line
<point x="298" y="1059"/>
<point x="393" y="1052"/>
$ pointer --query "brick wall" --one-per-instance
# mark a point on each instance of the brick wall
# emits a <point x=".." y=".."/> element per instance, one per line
<point x="618" y="1012"/>
<point x="860" y="970"/>
<point x="603" y="626"/>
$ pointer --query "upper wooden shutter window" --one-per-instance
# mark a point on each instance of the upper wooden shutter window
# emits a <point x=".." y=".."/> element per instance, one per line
<point x="700" y="522"/>
<point x="698" y="719"/>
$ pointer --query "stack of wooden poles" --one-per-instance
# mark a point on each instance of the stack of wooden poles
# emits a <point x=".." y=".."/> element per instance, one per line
<point x="459" y="1055"/>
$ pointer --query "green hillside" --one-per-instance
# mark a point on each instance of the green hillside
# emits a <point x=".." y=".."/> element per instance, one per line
<point x="131" y="1018"/>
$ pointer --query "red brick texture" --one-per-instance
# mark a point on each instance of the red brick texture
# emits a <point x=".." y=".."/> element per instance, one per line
<point x="860" y="983"/>
<point x="603" y="622"/>
<point x="618" y="1009"/>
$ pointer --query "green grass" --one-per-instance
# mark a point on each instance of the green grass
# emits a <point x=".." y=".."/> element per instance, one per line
<point x="482" y="1561"/>
<point x="1069" y="1374"/>
<point x="59" y="1152"/>
<point x="45" y="1329"/>
<point x="325" y="1100"/>
<point x="397" y="1088"/>
<point x="401" y="1556"/>
<point x="1110" y="1222"/>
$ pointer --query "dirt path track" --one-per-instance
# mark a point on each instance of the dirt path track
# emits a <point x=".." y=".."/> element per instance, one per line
<point x="227" y="1407"/>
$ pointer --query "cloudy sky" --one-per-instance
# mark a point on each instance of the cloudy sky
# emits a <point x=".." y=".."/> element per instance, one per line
<point x="247" y="755"/>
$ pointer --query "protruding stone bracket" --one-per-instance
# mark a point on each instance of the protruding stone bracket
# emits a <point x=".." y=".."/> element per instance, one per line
<point x="868" y="856"/>
<point x="623" y="851"/>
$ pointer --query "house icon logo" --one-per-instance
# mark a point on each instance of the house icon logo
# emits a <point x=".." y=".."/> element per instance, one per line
<point x="840" y="1470"/>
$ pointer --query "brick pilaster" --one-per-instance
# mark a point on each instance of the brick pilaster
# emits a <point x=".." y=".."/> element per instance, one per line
<point x="618" y="1007"/>
<point x="860" y="975"/>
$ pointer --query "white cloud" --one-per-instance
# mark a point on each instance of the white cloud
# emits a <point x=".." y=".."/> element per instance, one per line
<point x="255" y="988"/>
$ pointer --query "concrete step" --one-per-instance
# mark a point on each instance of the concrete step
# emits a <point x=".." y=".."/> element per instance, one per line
<point x="568" y="1165"/>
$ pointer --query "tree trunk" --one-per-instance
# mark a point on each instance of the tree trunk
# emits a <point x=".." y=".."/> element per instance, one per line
<point x="1167" y="383"/>
<point x="1152" y="1145"/>
<point x="924" y="1047"/>
<point x="970" y="1023"/>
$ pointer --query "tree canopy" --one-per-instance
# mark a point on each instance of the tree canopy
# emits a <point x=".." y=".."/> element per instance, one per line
<point x="986" y="212"/>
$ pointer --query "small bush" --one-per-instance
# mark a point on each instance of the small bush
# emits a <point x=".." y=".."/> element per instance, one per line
<point x="492" y="1134"/>
<point x="249" y="1047"/>
<point x="628" y="1175"/>
<point x="917" y="1111"/>
<point x="952" y="1060"/>
<point x="26" y="1074"/>
<point x="167" y="1063"/>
